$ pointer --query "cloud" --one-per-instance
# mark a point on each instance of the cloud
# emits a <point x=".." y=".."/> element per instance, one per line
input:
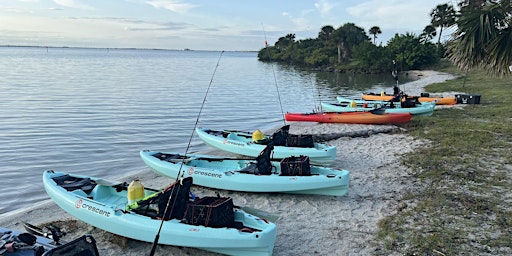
<point x="300" y="23"/>
<point x="393" y="14"/>
<point x="73" y="4"/>
<point x="324" y="7"/>
<point x="172" y="5"/>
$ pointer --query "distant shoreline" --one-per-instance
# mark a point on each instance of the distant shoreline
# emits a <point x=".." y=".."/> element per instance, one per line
<point x="114" y="48"/>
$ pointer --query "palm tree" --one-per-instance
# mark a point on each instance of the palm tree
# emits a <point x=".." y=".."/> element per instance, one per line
<point x="484" y="38"/>
<point x="346" y="37"/>
<point x="285" y="41"/>
<point x="443" y="16"/>
<point x="374" y="31"/>
<point x="325" y="33"/>
<point x="429" y="32"/>
<point x="470" y="4"/>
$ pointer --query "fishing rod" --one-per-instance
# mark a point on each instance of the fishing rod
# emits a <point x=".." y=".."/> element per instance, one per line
<point x="273" y="73"/>
<point x="180" y="173"/>
<point x="319" y="109"/>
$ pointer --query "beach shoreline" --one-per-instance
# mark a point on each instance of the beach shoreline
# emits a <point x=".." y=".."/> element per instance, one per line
<point x="322" y="225"/>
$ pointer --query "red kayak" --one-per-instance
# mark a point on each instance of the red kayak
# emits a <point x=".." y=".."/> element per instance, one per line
<point x="350" y="117"/>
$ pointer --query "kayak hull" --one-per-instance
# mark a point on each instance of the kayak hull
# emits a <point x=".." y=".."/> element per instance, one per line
<point x="224" y="173"/>
<point x="104" y="208"/>
<point x="350" y="117"/>
<point x="239" y="142"/>
<point x="420" y="109"/>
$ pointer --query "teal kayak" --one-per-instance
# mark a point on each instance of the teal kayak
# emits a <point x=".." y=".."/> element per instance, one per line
<point x="236" y="174"/>
<point x="348" y="105"/>
<point x="103" y="204"/>
<point x="240" y="142"/>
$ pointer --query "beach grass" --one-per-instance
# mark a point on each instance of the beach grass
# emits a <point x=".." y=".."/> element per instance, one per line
<point x="462" y="202"/>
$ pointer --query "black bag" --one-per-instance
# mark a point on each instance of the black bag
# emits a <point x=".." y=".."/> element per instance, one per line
<point x="179" y="198"/>
<point x="279" y="137"/>
<point x="83" y="246"/>
<point x="303" y="141"/>
<point x="295" y="166"/>
<point x="211" y="211"/>
<point x="263" y="164"/>
<point x="409" y="103"/>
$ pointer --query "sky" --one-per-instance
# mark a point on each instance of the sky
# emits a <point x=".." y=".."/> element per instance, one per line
<point x="229" y="25"/>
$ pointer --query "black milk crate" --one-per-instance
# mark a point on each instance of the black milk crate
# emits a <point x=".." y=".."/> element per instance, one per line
<point x="303" y="141"/>
<point x="211" y="211"/>
<point x="295" y="166"/>
<point x="467" y="98"/>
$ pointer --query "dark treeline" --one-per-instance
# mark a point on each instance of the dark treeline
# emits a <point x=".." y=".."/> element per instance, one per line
<point x="349" y="48"/>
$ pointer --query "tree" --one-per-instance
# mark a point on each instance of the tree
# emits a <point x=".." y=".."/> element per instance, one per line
<point x="326" y="33"/>
<point x="374" y="31"/>
<point x="429" y="32"/>
<point x="372" y="58"/>
<point x="443" y="16"/>
<point x="285" y="41"/>
<point x="346" y="37"/>
<point x="484" y="38"/>
<point x="471" y="4"/>
<point x="410" y="53"/>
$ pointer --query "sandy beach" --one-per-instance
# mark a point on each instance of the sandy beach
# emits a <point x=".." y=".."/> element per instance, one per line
<point x="308" y="225"/>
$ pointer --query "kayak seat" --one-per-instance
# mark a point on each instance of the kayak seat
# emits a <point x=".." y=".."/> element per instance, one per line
<point x="74" y="183"/>
<point x="155" y="204"/>
<point x="249" y="169"/>
<point x="216" y="133"/>
<point x="172" y="158"/>
<point x="262" y="166"/>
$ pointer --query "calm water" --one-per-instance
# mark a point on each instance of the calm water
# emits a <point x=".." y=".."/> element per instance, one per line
<point x="91" y="111"/>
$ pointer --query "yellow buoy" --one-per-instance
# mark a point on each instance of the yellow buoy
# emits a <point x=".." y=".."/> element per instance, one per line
<point x="382" y="93"/>
<point x="135" y="191"/>
<point x="353" y="104"/>
<point x="257" y="135"/>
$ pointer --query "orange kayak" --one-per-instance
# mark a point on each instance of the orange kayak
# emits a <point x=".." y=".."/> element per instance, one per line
<point x="438" y="100"/>
<point x="350" y="117"/>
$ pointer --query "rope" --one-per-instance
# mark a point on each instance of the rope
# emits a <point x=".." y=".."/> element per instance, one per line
<point x="180" y="173"/>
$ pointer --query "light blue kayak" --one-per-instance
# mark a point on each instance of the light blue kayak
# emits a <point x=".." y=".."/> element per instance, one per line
<point x="237" y="174"/>
<point x="372" y="103"/>
<point x="103" y="204"/>
<point x="240" y="142"/>
<point x="420" y="109"/>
